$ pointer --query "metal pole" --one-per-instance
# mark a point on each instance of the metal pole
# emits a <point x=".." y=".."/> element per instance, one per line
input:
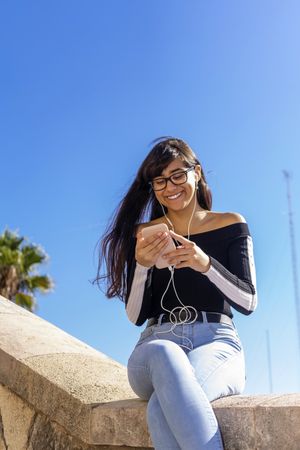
<point x="287" y="176"/>
<point x="269" y="361"/>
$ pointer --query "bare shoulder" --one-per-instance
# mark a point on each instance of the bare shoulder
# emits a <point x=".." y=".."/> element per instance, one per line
<point x="222" y="219"/>
<point x="149" y="224"/>
<point x="229" y="218"/>
<point x="214" y="220"/>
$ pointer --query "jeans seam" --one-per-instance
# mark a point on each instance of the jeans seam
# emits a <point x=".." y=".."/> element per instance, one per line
<point x="145" y="368"/>
<point x="228" y="358"/>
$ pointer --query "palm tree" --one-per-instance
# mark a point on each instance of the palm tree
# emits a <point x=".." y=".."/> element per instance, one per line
<point x="19" y="279"/>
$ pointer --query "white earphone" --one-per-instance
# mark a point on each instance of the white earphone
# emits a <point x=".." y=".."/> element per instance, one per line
<point x="187" y="309"/>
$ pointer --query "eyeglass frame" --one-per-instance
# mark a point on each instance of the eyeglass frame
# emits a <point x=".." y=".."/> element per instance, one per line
<point x="166" y="179"/>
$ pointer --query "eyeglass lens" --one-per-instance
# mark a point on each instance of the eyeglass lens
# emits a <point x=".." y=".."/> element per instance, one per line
<point x="177" y="178"/>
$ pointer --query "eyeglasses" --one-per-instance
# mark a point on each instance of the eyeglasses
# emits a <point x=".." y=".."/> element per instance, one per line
<point x="180" y="177"/>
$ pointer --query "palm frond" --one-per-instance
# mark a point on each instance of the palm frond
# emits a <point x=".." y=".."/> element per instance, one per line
<point x="27" y="301"/>
<point x="11" y="240"/>
<point x="19" y="277"/>
<point x="32" y="255"/>
<point x="9" y="257"/>
<point x="41" y="282"/>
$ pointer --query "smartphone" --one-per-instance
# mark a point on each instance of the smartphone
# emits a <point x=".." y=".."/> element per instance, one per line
<point x="161" y="263"/>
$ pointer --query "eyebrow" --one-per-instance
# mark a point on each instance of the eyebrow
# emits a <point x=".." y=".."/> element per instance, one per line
<point x="172" y="171"/>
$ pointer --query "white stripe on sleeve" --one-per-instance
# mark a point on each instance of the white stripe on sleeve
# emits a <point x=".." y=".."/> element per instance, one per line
<point x="239" y="291"/>
<point x="135" y="299"/>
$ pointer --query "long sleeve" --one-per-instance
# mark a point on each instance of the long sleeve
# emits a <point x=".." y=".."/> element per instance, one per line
<point x="139" y="291"/>
<point x="230" y="281"/>
<point x="238" y="282"/>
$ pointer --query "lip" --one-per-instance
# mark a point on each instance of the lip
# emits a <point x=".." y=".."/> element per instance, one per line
<point x="178" y="195"/>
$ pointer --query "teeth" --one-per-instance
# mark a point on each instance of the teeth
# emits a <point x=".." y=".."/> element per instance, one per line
<point x="172" y="197"/>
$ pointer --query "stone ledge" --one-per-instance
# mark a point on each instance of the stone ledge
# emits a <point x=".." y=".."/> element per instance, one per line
<point x="22" y="428"/>
<point x="79" y="391"/>
<point x="58" y="375"/>
<point x="261" y="422"/>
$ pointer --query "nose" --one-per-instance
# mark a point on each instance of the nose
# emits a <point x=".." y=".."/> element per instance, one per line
<point x="170" y="186"/>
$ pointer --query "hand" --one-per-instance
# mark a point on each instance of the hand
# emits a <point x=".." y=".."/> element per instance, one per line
<point x="148" y="249"/>
<point x="187" y="255"/>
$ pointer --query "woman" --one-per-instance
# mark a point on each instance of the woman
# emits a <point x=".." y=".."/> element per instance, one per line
<point x="189" y="353"/>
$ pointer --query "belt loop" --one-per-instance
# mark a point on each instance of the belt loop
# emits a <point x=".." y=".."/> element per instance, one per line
<point x="150" y="322"/>
<point x="160" y="319"/>
<point x="204" y="317"/>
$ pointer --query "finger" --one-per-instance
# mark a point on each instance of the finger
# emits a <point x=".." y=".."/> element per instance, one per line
<point x="148" y="253"/>
<point x="154" y="247"/>
<point x="178" y="260"/>
<point x="179" y="238"/>
<point x="152" y="240"/>
<point x="181" y="265"/>
<point x="159" y="242"/>
<point x="157" y="249"/>
<point x="180" y="251"/>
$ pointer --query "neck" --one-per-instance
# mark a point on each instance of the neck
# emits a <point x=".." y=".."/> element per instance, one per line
<point x="182" y="220"/>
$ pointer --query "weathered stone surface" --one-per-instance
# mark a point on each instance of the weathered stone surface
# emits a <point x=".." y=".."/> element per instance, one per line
<point x="54" y="372"/>
<point x="262" y="422"/>
<point x="16" y="419"/>
<point x="28" y="430"/>
<point x="3" y="445"/>
<point x="62" y="394"/>
<point x="86" y="377"/>
<point x="47" y="435"/>
<point x="120" y="423"/>
<point x="278" y="427"/>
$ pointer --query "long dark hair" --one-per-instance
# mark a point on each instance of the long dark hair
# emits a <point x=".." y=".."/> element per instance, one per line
<point x="138" y="205"/>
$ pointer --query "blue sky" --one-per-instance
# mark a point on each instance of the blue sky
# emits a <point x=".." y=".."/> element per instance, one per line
<point x="86" y="86"/>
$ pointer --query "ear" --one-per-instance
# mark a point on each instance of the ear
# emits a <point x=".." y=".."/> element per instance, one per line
<point x="198" y="173"/>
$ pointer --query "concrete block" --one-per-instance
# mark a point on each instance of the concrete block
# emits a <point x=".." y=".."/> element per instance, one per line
<point x="55" y="373"/>
<point x="120" y="423"/>
<point x="16" y="418"/>
<point x="58" y="392"/>
<point x="262" y="422"/>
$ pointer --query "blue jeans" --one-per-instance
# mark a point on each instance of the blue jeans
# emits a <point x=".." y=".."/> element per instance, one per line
<point x="180" y="375"/>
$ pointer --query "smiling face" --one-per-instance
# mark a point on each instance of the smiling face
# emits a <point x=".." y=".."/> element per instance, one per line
<point x="178" y="196"/>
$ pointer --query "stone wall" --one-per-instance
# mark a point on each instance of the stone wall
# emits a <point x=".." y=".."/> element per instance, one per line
<point x="22" y="427"/>
<point x="58" y="393"/>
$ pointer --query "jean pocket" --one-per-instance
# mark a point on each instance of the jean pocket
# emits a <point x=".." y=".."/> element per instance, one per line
<point x="145" y="334"/>
<point x="220" y="327"/>
<point x="225" y="332"/>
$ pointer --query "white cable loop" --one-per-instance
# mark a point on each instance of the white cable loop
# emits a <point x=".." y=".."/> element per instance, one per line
<point x="184" y="308"/>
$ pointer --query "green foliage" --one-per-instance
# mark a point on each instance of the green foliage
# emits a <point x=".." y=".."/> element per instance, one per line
<point x="25" y="300"/>
<point x="19" y="279"/>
